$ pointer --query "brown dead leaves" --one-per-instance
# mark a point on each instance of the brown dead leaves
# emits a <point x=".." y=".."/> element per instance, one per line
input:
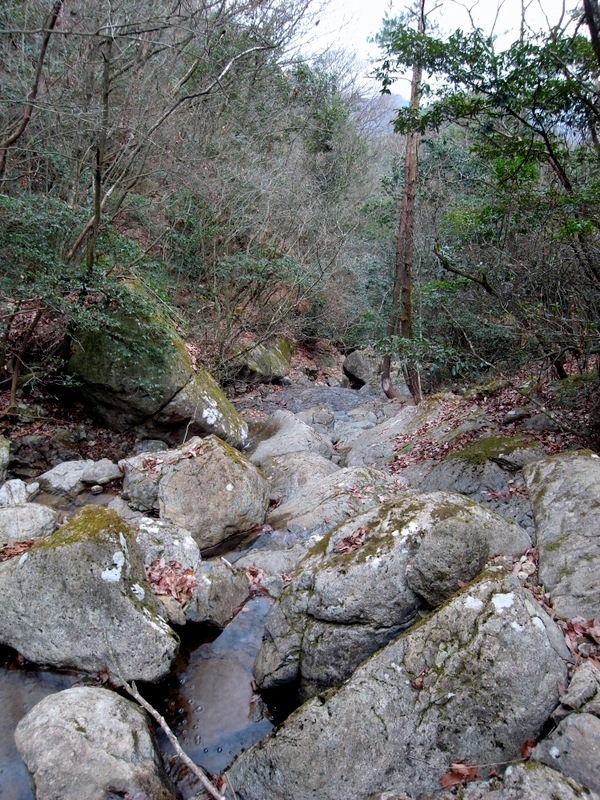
<point x="582" y="637"/>
<point x="153" y="463"/>
<point x="351" y="543"/>
<point x="171" y="579"/>
<point x="15" y="549"/>
<point x="460" y="772"/>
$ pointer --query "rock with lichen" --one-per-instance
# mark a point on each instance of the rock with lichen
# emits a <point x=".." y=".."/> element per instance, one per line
<point x="365" y="582"/>
<point x="565" y="495"/>
<point x="470" y="683"/>
<point x="106" y="736"/>
<point x="79" y="599"/>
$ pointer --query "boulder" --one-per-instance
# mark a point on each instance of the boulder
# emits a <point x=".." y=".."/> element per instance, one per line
<point x="484" y="471"/>
<point x="533" y="781"/>
<point x="473" y="681"/>
<point x="219" y="589"/>
<point x="141" y="477"/>
<point x="220" y="592"/>
<point x="79" y="599"/>
<point x="101" y="472"/>
<point x="365" y="582"/>
<point x="212" y="490"/>
<point x="288" y="474"/>
<point x="4" y="457"/>
<point x="205" y="486"/>
<point x="565" y="495"/>
<point x="158" y="539"/>
<point x="65" y="479"/>
<point x="200" y="407"/>
<point x="268" y="361"/>
<point x="323" y="502"/>
<point x="362" y="366"/>
<point x="283" y="433"/>
<point x="137" y="369"/>
<point x="574" y="749"/>
<point x="88" y="743"/>
<point x="26" y="521"/>
<point x="16" y="492"/>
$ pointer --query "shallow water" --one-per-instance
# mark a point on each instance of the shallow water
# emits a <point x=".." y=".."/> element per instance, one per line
<point x="208" y="701"/>
<point x="210" y="705"/>
<point x="20" y="689"/>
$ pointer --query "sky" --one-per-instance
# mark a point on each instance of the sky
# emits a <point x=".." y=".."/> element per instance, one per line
<point x="350" y="23"/>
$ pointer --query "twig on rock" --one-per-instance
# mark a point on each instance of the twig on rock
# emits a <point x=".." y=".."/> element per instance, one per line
<point x="196" y="770"/>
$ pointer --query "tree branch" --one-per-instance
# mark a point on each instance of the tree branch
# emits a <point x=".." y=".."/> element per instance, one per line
<point x="481" y="279"/>
<point x="49" y="26"/>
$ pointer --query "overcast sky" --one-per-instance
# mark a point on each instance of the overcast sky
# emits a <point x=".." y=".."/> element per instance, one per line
<point x="350" y="23"/>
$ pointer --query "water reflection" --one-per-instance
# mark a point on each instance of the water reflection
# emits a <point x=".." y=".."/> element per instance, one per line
<point x="210" y="704"/>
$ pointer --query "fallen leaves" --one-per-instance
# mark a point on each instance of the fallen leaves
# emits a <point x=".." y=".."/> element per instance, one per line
<point x="171" y="579"/>
<point x="460" y="772"/>
<point x="15" y="549"/>
<point x="581" y="636"/>
<point x="351" y="543"/>
<point x="255" y="577"/>
<point x="527" y="749"/>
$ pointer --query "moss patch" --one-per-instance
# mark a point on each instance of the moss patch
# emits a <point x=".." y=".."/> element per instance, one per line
<point x="491" y="447"/>
<point x="91" y="523"/>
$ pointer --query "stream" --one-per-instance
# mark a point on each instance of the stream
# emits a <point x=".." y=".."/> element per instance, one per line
<point x="207" y="700"/>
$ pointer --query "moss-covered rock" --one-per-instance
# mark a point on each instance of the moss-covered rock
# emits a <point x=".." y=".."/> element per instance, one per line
<point x="472" y="681"/>
<point x="365" y="581"/>
<point x="138" y="371"/>
<point x="79" y="599"/>
<point x="269" y="360"/>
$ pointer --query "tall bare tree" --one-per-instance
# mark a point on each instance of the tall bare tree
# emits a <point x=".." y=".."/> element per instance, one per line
<point x="400" y="319"/>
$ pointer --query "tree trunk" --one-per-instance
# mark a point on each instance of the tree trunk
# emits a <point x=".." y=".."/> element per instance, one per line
<point x="400" y="320"/>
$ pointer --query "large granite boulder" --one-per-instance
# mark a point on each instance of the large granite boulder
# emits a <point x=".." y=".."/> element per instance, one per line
<point x="79" y="599"/>
<point x="565" y="495"/>
<point x="325" y="501"/>
<point x="365" y="582"/>
<point x="267" y="361"/>
<point x="362" y="366"/>
<point x="204" y="486"/>
<point x="26" y="521"/>
<point x="214" y="493"/>
<point x="137" y="369"/>
<point x="473" y="681"/>
<point x="88" y="743"/>
<point x="283" y="433"/>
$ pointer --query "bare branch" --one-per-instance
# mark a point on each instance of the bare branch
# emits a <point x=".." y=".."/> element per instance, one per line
<point x="49" y="26"/>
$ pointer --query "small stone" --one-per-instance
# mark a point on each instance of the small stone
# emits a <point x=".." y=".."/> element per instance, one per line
<point x="97" y="489"/>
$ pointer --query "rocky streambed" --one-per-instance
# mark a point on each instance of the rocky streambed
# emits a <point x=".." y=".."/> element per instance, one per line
<point x="434" y="624"/>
